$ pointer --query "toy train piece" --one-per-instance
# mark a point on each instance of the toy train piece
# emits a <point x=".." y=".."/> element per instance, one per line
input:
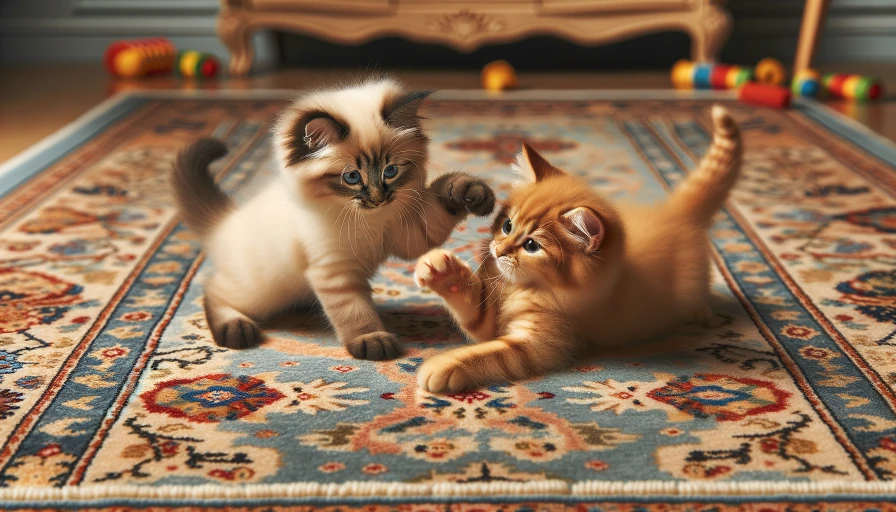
<point x="139" y="57"/>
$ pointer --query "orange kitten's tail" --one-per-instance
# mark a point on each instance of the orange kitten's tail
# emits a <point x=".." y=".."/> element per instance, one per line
<point x="705" y="190"/>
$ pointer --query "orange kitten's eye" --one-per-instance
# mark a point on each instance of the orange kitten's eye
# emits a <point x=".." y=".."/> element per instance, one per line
<point x="506" y="227"/>
<point x="352" y="177"/>
<point x="531" y="246"/>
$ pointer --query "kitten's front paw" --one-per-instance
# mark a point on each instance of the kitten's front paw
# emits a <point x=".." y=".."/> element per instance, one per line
<point x="464" y="192"/>
<point x="239" y="333"/>
<point x="443" y="374"/>
<point x="442" y="272"/>
<point x="375" y="346"/>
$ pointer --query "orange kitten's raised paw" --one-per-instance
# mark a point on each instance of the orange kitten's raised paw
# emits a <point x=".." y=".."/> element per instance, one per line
<point x="442" y="374"/>
<point x="442" y="272"/>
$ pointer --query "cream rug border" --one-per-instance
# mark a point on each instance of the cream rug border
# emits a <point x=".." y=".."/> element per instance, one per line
<point x="543" y="488"/>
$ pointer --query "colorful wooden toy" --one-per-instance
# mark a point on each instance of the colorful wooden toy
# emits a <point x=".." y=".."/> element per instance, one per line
<point x="806" y="83"/>
<point x="691" y="75"/>
<point x="193" y="64"/>
<point x="498" y="76"/>
<point x="764" y="95"/>
<point x="681" y="74"/>
<point x="139" y="57"/>
<point x="770" y="72"/>
<point x="852" y="87"/>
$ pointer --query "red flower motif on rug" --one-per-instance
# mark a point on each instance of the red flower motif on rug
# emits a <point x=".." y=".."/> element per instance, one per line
<point x="470" y="396"/>
<point x="722" y="396"/>
<point x="210" y="398"/>
<point x="31" y="298"/>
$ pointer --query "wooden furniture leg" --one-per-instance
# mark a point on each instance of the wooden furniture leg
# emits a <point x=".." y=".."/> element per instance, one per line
<point x="710" y="33"/>
<point x="235" y="33"/>
<point x="813" y="19"/>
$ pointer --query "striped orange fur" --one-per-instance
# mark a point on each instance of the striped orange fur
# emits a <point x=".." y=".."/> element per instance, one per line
<point x="569" y="273"/>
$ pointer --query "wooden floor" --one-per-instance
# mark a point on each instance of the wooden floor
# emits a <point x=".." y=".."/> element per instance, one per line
<point x="36" y="101"/>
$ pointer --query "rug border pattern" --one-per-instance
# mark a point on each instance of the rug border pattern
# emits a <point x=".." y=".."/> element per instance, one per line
<point x="803" y="376"/>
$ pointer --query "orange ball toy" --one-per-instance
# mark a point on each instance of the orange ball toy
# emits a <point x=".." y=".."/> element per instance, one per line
<point x="770" y="72"/>
<point x="498" y="76"/>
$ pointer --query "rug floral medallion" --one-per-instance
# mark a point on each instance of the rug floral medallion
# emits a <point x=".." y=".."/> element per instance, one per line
<point x="112" y="391"/>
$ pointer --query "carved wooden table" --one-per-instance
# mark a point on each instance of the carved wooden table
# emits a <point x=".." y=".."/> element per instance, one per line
<point x="467" y="25"/>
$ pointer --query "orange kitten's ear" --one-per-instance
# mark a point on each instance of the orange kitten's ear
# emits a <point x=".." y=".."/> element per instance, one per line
<point x="534" y="167"/>
<point x="585" y="225"/>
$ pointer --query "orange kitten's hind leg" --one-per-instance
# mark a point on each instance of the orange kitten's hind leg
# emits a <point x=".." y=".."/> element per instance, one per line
<point x="500" y="360"/>
<point x="465" y="368"/>
<point x="530" y="347"/>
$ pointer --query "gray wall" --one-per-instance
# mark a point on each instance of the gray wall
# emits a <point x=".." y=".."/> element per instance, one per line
<point x="79" y="30"/>
<point x="855" y="30"/>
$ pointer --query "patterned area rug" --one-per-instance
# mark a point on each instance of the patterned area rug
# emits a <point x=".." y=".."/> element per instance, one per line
<point x="113" y="394"/>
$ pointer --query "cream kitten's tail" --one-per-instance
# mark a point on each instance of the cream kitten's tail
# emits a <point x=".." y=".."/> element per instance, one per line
<point x="705" y="190"/>
<point x="200" y="201"/>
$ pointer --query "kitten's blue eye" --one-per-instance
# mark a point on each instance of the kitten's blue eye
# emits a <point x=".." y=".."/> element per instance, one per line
<point x="351" y="177"/>
<point x="390" y="171"/>
<point x="506" y="227"/>
<point x="531" y="246"/>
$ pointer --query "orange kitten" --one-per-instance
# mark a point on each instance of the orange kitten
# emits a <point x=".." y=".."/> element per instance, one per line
<point x="569" y="272"/>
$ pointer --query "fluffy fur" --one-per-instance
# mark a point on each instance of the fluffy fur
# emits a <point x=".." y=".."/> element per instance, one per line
<point x="568" y="272"/>
<point x="352" y="192"/>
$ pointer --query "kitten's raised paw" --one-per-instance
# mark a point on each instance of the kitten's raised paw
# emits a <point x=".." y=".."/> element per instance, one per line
<point x="374" y="346"/>
<point x="442" y="374"/>
<point x="442" y="272"/>
<point x="464" y="192"/>
<point x="238" y="333"/>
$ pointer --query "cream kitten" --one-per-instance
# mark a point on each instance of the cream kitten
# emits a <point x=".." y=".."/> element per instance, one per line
<point x="568" y="272"/>
<point x="352" y="192"/>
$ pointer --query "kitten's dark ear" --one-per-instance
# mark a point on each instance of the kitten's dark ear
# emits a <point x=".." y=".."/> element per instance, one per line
<point x="585" y="225"/>
<point x="322" y="131"/>
<point x="401" y="111"/>
<point x="309" y="132"/>
<point x="534" y="166"/>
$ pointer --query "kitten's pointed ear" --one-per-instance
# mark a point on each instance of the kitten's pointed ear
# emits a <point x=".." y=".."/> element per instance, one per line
<point x="585" y="225"/>
<point x="534" y="166"/>
<point x="322" y="131"/>
<point x="401" y="111"/>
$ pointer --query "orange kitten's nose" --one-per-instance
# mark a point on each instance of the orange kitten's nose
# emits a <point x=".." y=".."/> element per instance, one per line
<point x="502" y="249"/>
